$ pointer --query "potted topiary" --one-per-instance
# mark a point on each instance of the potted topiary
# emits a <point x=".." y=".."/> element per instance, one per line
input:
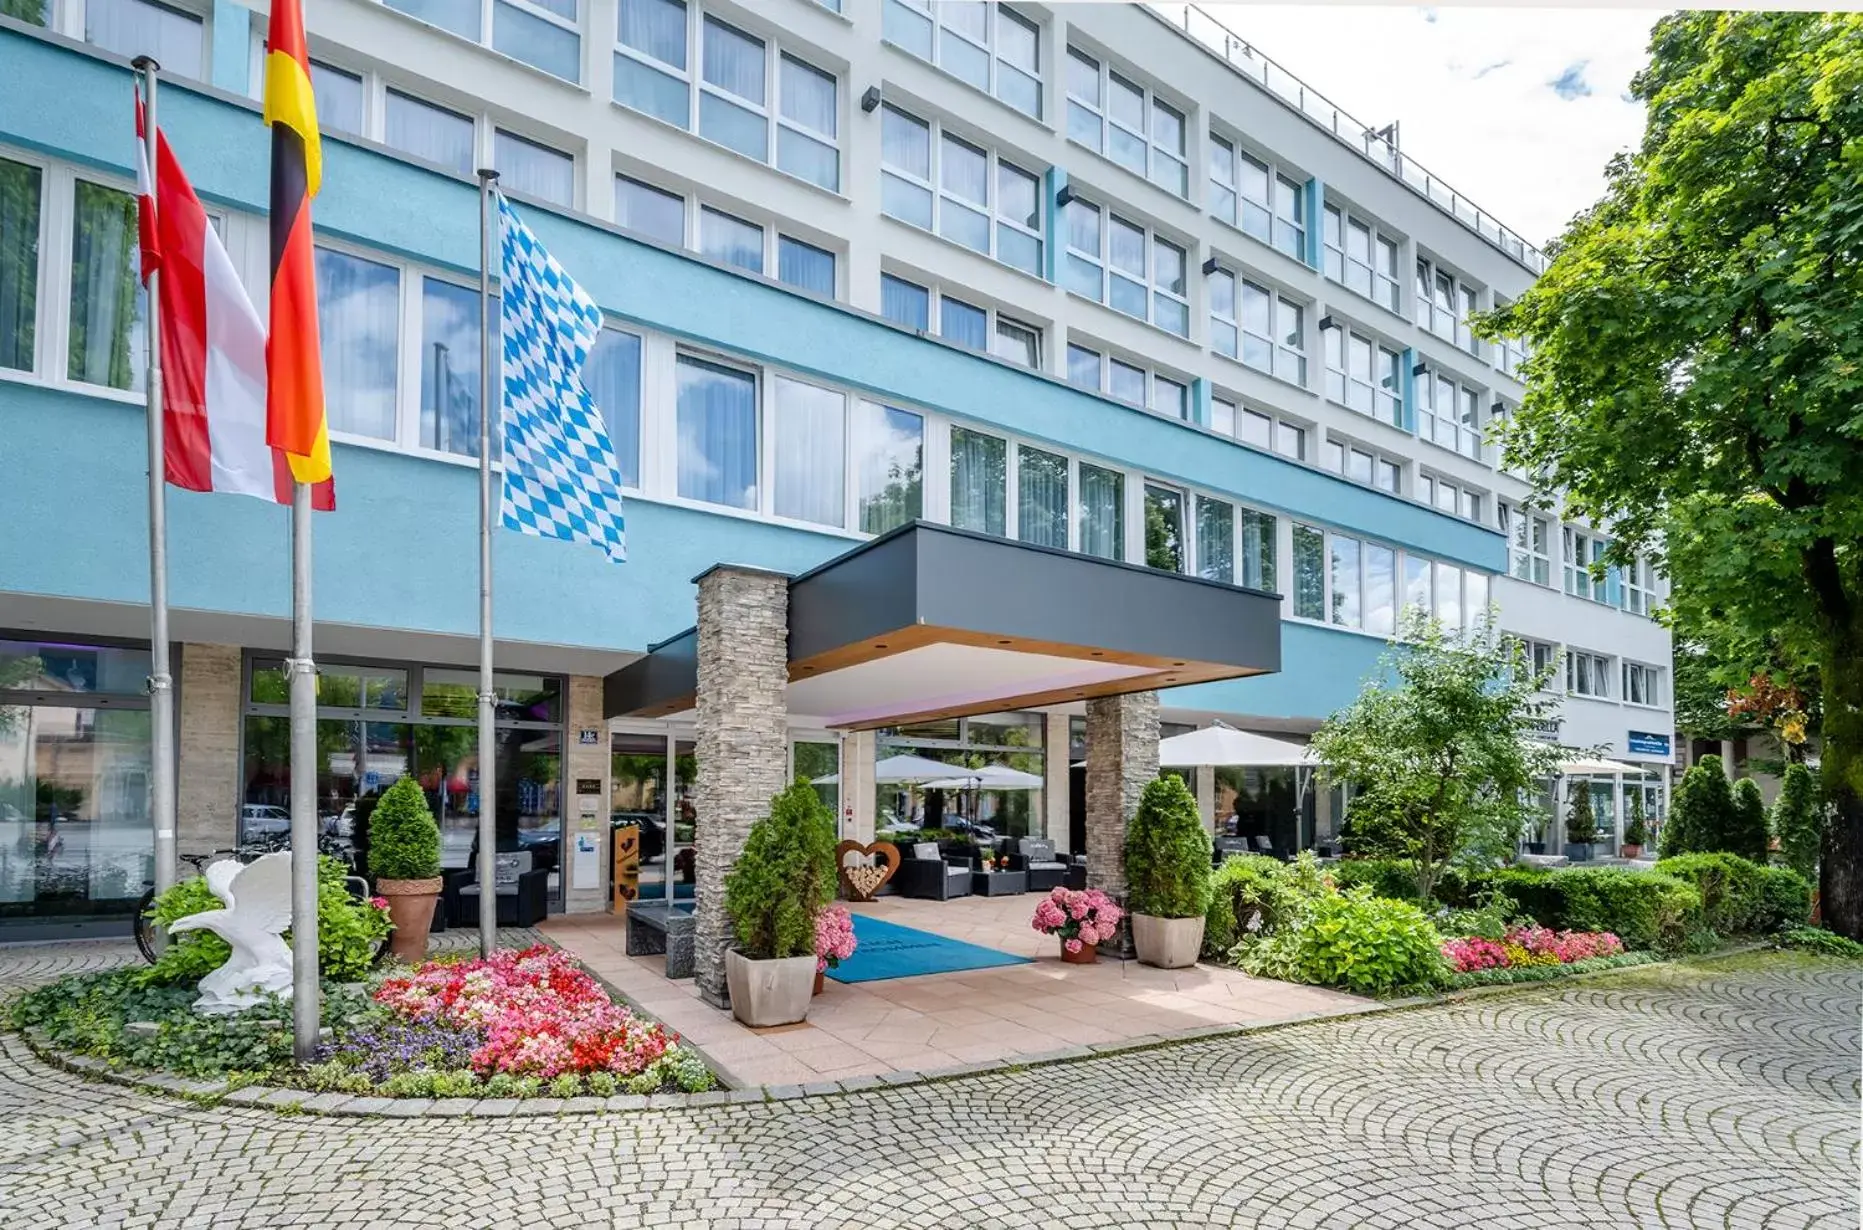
<point x="1636" y="832"/>
<point x="1167" y="875"/>
<point x="1580" y="829"/>
<point x="782" y="880"/>
<point x="404" y="858"/>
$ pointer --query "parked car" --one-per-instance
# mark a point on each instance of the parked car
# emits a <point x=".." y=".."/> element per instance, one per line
<point x="262" y="820"/>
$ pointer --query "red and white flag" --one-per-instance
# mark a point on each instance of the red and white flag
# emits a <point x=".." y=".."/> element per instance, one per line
<point x="212" y="345"/>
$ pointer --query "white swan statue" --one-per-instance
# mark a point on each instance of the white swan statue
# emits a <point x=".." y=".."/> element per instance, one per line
<point x="258" y="908"/>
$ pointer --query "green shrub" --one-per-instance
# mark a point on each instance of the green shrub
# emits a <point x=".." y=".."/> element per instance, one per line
<point x="568" y="1085"/>
<point x="1698" y="816"/>
<point x="1818" y="940"/>
<point x="784" y="877"/>
<point x="1581" y="828"/>
<point x="1636" y="829"/>
<point x="1365" y="944"/>
<point x="1385" y="877"/>
<point x="1489" y="920"/>
<point x="1747" y="834"/>
<point x="1255" y="893"/>
<point x="1739" y="897"/>
<point x="1788" y="898"/>
<point x="348" y="931"/>
<point x="1167" y="853"/>
<point x="1798" y="820"/>
<point x="404" y="841"/>
<point x="1644" y="909"/>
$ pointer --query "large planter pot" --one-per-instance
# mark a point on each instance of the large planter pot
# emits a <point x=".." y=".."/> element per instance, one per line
<point x="1089" y="954"/>
<point x="1578" y="851"/>
<point x="410" y="911"/>
<point x="769" y="992"/>
<point x="1168" y="943"/>
<point x="1632" y="850"/>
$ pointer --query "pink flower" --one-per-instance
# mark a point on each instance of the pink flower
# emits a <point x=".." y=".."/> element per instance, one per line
<point x="380" y="903"/>
<point x="1088" y="935"/>
<point x="1072" y="945"/>
<point x="1059" y="893"/>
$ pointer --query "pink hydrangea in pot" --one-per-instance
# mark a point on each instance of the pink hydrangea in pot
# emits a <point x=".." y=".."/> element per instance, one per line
<point x="1081" y="919"/>
<point x="834" y="940"/>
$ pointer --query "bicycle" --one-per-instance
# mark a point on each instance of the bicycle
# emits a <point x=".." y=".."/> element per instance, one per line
<point x="357" y="886"/>
<point x="145" y="925"/>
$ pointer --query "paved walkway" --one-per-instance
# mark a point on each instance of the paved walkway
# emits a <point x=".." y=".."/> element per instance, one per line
<point x="937" y="1021"/>
<point x="1721" y="1095"/>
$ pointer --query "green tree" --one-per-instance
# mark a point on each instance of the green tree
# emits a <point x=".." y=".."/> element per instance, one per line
<point x="1747" y="834"/>
<point x="1698" y="815"/>
<point x="1698" y="354"/>
<point x="1168" y="853"/>
<point x="404" y="840"/>
<point x="784" y="877"/>
<point x="1437" y="749"/>
<point x="1636" y="825"/>
<point x="1581" y="825"/>
<point x="1797" y="819"/>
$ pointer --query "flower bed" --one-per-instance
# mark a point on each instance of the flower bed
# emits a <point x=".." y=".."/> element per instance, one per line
<point x="518" y="1024"/>
<point x="1527" y="946"/>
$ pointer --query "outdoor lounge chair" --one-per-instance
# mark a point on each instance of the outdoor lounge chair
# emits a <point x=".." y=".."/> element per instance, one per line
<point x="1264" y="845"/>
<point x="1035" y="855"/>
<point x="927" y="874"/>
<point x="522" y="893"/>
<point x="1226" y="846"/>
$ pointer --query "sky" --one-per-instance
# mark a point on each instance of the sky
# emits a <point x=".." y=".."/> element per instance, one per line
<point x="1518" y="109"/>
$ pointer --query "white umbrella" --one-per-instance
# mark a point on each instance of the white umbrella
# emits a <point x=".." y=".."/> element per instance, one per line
<point x="898" y="770"/>
<point x="1224" y="745"/>
<point x="989" y="777"/>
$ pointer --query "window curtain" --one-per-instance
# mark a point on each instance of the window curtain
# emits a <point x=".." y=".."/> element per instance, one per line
<point x="612" y="377"/>
<point x="808" y="96"/>
<point x="459" y="16"/>
<point x="734" y="61"/>
<point x="889" y="460"/>
<point x="19" y="263"/>
<point x="656" y="27"/>
<point x="358" y="322"/>
<point x="108" y="302"/>
<point x="1102" y="512"/>
<point x="449" y="377"/>
<point x="964" y="172"/>
<point x="1216" y="539"/>
<point x="731" y="240"/>
<point x="805" y="266"/>
<point x="1258" y="548"/>
<point x="978" y="481"/>
<point x="1041" y="498"/>
<point x="809" y="435"/>
<point x="905" y="143"/>
<point x="528" y="167"/>
<point x="429" y="132"/>
<point x="905" y="303"/>
<point x="717" y="422"/>
<point x="963" y="324"/>
<point x="135" y="27"/>
<point x="653" y="212"/>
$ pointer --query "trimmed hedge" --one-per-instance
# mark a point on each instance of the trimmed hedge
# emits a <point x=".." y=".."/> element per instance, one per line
<point x="1739" y="897"/>
<point x="1644" y="909"/>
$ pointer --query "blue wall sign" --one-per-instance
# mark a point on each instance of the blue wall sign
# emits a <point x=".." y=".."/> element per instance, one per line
<point x="1641" y="743"/>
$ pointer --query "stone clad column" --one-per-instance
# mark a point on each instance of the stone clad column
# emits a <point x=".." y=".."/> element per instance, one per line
<point x="1122" y="756"/>
<point x="207" y="780"/>
<point x="743" y="740"/>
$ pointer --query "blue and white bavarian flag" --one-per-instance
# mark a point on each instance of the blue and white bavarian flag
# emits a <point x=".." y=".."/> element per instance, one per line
<point x="561" y="477"/>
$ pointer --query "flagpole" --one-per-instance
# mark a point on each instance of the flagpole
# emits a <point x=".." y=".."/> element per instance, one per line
<point x="488" y="735"/>
<point x="305" y="1009"/>
<point x="161" y="683"/>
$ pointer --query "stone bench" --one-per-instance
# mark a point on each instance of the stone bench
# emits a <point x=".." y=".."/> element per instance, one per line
<point x="653" y="927"/>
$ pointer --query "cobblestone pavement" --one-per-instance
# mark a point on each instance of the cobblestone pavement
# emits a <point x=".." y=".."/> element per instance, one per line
<point x="1721" y="1094"/>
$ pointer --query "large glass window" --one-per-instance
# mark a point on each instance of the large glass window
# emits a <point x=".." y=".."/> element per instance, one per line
<point x="1247" y="193"/>
<point x="717" y="430"/>
<point x="419" y="128"/>
<point x="1164" y="528"/>
<point x="1309" y="572"/>
<point x="75" y="835"/>
<point x="651" y="73"/>
<point x="979" y="481"/>
<point x="1041" y="497"/>
<point x="652" y="211"/>
<point x="889" y="464"/>
<point x="359" y="328"/>
<point x="1346" y="609"/>
<point x="339" y="98"/>
<point x="528" y="166"/>
<point x="1102" y="512"/>
<point x="730" y="240"/>
<point x="733" y="93"/>
<point x="960" y="190"/>
<point x="138" y="28"/>
<point x="998" y="52"/>
<point x="1258" y="550"/>
<point x="809" y="434"/>
<point x="806" y="124"/>
<point x="805" y="266"/>
<point x="1121" y="119"/>
<point x="108" y="340"/>
<point x="1127" y="267"/>
<point x="449" y="371"/>
<point x="612" y="376"/>
<point x="905" y="303"/>
<point x="1216" y="539"/>
<point x="20" y="206"/>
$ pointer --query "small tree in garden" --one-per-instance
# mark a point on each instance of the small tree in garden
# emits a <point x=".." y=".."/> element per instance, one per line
<point x="784" y="877"/>
<point x="1798" y="821"/>
<point x="1747" y="834"/>
<point x="1581" y="827"/>
<point x="1698" y="817"/>
<point x="404" y="840"/>
<point x="1167" y="853"/>
<point x="1437" y="749"/>
<point x="1636" y="828"/>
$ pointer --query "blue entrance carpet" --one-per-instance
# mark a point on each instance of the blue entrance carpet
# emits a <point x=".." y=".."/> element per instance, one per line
<point x="888" y="950"/>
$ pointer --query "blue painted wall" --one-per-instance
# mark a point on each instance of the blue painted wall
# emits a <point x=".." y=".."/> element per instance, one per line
<point x="1321" y="670"/>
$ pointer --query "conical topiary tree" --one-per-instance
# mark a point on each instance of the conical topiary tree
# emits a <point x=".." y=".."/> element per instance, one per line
<point x="404" y="840"/>
<point x="1798" y="820"/>
<point x="784" y="877"/>
<point x="1167" y="853"/>
<point x="1698" y="816"/>
<point x="1747" y="834"/>
<point x="1636" y="829"/>
<point x="1581" y="827"/>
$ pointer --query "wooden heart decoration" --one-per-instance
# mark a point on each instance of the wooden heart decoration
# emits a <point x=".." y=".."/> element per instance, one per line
<point x="863" y="879"/>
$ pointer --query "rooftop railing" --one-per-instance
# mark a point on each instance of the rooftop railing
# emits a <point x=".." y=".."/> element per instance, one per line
<point x="1362" y="138"/>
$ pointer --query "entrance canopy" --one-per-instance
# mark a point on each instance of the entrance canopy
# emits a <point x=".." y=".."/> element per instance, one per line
<point x="1222" y="745"/>
<point x="931" y="622"/>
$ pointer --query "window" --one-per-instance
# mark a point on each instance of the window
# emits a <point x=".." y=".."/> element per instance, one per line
<point x="733" y="105"/>
<point x="449" y="378"/>
<point x="1123" y="120"/>
<point x="425" y="131"/>
<point x="905" y="303"/>
<point x="808" y="434"/>
<point x="1272" y="326"/>
<point x="1041" y="497"/>
<point x="1289" y="440"/>
<point x="1449" y="414"/>
<point x="541" y="33"/>
<point x="1258" y="541"/>
<point x="730" y="240"/>
<point x="1587" y="674"/>
<point x="612" y="376"/>
<point x="1580" y="550"/>
<point x="1170" y="398"/>
<point x="1543" y="658"/>
<point x="1364" y="375"/>
<point x="138" y="27"/>
<point x="1444" y="305"/>
<point x="1216" y="539"/>
<point x="529" y="167"/>
<point x="1447" y="497"/>
<point x="979" y="483"/>
<point x="1247" y="193"/>
<point x="1362" y="465"/>
<point x="1448" y="595"/>
<point x="1529" y="548"/>
<point x="988" y="45"/>
<point x="1016" y="343"/>
<point x="716" y="422"/>
<point x="1164" y="528"/>
<point x="961" y="323"/>
<point x="1510" y="352"/>
<point x="1363" y="584"/>
<point x="1359" y="258"/>
<point x="889" y="465"/>
<point x="359" y="333"/>
<point x="1309" y="572"/>
<point x="109" y="303"/>
<point x="1126" y="381"/>
<point x="20" y="193"/>
<point x="938" y="182"/>
<point x="1345" y="581"/>
<point x="1642" y="684"/>
<point x="654" y="212"/>
<point x="1083" y="367"/>
<point x="1127" y="267"/>
<point x="805" y="266"/>
<point x="1102" y="512"/>
<point x="339" y="98"/>
<point x="1640" y="588"/>
<point x="1222" y="416"/>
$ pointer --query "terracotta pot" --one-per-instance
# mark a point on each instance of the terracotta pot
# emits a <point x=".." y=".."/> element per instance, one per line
<point x="1632" y="850"/>
<point x="819" y="976"/>
<point x="410" y="912"/>
<point x="1089" y="954"/>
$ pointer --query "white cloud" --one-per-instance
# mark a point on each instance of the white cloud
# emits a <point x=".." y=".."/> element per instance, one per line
<point x="1517" y="109"/>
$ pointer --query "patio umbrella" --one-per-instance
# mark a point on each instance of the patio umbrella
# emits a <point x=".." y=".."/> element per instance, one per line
<point x="897" y="771"/>
<point x="989" y="777"/>
<point x="1224" y="745"/>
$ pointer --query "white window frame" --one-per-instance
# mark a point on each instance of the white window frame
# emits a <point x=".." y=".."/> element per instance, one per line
<point x="487" y="32"/>
<point x="1286" y="362"/>
<point x="1400" y="558"/>
<point x="994" y="318"/>
<point x="774" y="231"/>
<point x="1354" y="454"/>
<point x="1529" y="543"/>
<point x="1641" y="677"/>
<point x="1448" y="321"/>
<point x="1593" y="670"/>
<point x="68" y="17"/>
<point x="1580" y="548"/>
<point x="1362" y="278"/>
<point x="1167" y="168"/>
<point x="990" y="48"/>
<point x="1444" y="426"/>
<point x="1154" y="290"/>
<point x="1257" y="215"/>
<point x="1343" y="385"/>
<point x="991" y="208"/>
<point x="1639" y="586"/>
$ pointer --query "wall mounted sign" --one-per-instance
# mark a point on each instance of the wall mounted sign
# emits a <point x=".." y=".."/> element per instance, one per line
<point x="588" y="785"/>
<point x="588" y="735"/>
<point x="1642" y="743"/>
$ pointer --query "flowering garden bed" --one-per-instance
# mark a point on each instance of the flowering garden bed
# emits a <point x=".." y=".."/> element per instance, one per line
<point x="1533" y="954"/>
<point x="518" y="1024"/>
